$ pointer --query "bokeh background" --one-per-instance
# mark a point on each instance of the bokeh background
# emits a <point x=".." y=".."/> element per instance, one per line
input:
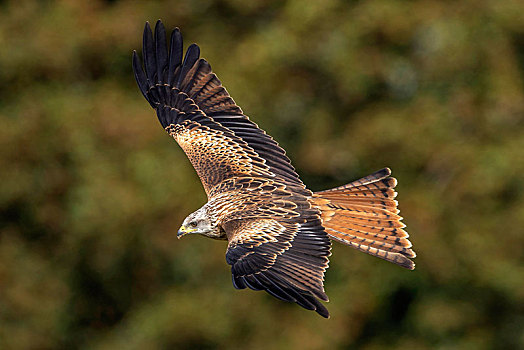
<point x="92" y="190"/>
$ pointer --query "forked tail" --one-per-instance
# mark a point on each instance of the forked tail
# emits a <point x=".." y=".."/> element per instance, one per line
<point x="363" y="214"/>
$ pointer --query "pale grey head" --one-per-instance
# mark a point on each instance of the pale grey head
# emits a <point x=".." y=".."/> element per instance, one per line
<point x="200" y="222"/>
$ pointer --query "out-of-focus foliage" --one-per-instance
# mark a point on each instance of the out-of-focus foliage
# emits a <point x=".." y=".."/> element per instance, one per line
<point x="92" y="190"/>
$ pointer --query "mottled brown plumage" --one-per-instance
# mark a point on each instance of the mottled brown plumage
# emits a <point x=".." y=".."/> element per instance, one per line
<point x="278" y="231"/>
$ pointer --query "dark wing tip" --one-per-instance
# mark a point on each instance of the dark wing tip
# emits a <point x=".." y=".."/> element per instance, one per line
<point x="175" y="55"/>
<point x="194" y="46"/>
<point x="281" y="290"/>
<point x="160" y="51"/>
<point x="148" y="52"/>
<point x="140" y="77"/>
<point x="158" y="65"/>
<point x="322" y="310"/>
<point x="191" y="57"/>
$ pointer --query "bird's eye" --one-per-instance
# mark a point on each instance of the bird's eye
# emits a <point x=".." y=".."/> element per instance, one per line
<point x="193" y="224"/>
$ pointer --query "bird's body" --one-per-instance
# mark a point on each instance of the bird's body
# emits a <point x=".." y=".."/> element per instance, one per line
<point x="278" y="231"/>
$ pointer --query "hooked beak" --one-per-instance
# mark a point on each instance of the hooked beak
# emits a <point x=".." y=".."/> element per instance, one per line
<point x="184" y="231"/>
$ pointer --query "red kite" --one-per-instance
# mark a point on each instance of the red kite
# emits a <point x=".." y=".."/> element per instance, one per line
<point x="279" y="232"/>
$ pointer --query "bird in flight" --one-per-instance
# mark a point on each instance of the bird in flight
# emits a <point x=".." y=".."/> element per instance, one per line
<point x="278" y="231"/>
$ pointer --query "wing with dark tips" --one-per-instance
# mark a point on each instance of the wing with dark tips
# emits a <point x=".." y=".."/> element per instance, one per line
<point x="285" y="257"/>
<point x="194" y="108"/>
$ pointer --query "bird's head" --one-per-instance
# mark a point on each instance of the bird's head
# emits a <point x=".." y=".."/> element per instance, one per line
<point x="199" y="222"/>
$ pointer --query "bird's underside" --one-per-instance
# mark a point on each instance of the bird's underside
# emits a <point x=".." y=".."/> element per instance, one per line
<point x="278" y="231"/>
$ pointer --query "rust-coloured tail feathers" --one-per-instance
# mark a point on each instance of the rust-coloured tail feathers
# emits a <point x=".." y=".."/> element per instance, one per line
<point x="363" y="214"/>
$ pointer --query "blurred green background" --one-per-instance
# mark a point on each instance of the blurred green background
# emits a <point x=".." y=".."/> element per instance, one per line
<point x="92" y="190"/>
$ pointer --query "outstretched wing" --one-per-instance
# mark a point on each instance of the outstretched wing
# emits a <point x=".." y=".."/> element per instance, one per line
<point x="197" y="111"/>
<point x="285" y="257"/>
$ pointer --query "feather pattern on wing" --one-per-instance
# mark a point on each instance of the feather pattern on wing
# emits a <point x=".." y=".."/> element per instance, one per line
<point x="286" y="258"/>
<point x="194" y="108"/>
